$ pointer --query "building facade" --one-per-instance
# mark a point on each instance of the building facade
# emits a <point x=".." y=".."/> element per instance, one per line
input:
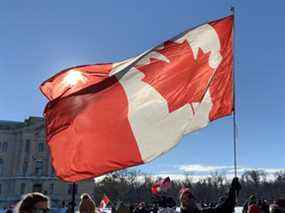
<point x="25" y="165"/>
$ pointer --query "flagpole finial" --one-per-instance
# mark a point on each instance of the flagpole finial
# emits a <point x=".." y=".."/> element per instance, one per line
<point x="232" y="9"/>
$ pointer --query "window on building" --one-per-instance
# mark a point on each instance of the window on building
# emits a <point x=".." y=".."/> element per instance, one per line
<point x="37" y="188"/>
<point x="70" y="188"/>
<point x="52" y="172"/>
<point x="69" y="191"/>
<point x="1" y="167"/>
<point x="5" y="147"/>
<point x="27" y="146"/>
<point x="51" y="188"/>
<point x="39" y="168"/>
<point x="23" y="188"/>
<point x="0" y="189"/>
<point x="40" y="147"/>
<point x="25" y="168"/>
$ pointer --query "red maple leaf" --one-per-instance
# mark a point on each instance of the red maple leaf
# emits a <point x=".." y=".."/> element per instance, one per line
<point x="183" y="80"/>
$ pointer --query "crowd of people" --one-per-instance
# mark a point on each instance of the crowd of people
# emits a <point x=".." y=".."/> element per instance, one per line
<point x="39" y="203"/>
<point x="254" y="205"/>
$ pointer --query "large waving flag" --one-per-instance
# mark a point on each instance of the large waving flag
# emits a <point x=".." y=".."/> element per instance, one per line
<point x="105" y="117"/>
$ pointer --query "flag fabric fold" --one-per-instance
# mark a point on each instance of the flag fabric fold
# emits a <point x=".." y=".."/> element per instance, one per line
<point x="105" y="117"/>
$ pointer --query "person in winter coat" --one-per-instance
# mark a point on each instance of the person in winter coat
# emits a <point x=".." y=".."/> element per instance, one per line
<point x="248" y="202"/>
<point x="188" y="202"/>
<point x="252" y="205"/>
<point x="33" y="202"/>
<point x="87" y="204"/>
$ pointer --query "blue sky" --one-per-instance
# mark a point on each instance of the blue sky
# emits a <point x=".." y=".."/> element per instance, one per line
<point x="39" y="38"/>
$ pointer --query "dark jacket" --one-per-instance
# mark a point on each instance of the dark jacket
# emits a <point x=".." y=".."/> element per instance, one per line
<point x="225" y="207"/>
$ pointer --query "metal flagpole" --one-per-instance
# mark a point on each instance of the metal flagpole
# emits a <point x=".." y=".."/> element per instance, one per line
<point x="234" y="100"/>
<point x="73" y="197"/>
<point x="234" y="96"/>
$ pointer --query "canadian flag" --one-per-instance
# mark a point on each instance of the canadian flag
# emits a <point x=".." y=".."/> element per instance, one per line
<point x="161" y="185"/>
<point x="104" y="202"/>
<point x="105" y="117"/>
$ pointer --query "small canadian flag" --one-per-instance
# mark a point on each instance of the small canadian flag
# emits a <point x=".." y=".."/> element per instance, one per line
<point x="161" y="185"/>
<point x="104" y="202"/>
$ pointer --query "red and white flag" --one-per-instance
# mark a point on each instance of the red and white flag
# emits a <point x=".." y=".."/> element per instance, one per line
<point x="104" y="202"/>
<point x="161" y="185"/>
<point x="105" y="117"/>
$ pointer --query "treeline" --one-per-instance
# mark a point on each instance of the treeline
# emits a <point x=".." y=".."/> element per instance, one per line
<point x="133" y="186"/>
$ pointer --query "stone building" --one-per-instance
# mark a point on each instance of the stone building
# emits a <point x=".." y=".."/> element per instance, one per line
<point x="25" y="165"/>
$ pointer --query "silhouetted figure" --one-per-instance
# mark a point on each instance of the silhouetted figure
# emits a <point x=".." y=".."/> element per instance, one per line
<point x="188" y="202"/>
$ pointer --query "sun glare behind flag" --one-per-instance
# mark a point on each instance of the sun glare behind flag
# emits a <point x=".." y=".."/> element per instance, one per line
<point x="105" y="117"/>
